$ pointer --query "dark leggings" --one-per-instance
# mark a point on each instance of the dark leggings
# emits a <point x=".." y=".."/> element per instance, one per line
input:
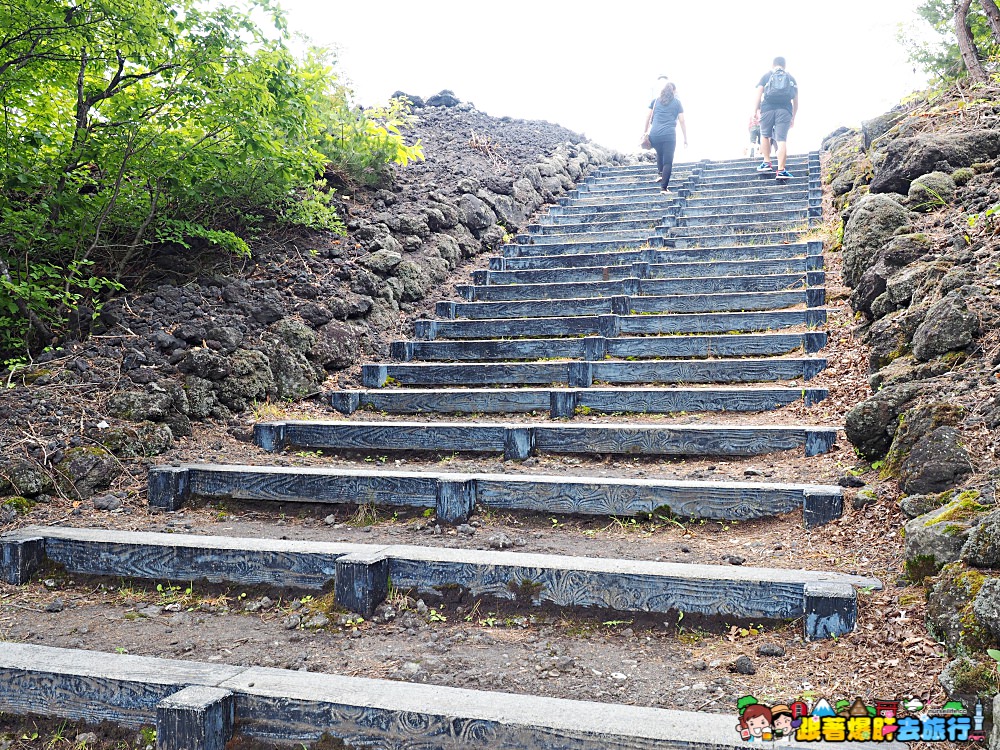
<point x="664" y="147"/>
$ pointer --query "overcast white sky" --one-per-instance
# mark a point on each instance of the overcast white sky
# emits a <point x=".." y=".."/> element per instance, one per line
<point x="591" y="66"/>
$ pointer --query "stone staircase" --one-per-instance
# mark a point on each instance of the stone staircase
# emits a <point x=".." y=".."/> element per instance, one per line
<point x="619" y="302"/>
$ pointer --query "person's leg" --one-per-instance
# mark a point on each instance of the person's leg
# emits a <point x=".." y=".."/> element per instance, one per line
<point x="658" y="148"/>
<point x="782" y="122"/>
<point x="669" y="146"/>
<point x="766" y="131"/>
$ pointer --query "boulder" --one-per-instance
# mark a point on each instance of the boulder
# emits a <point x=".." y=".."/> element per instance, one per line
<point x="917" y="505"/>
<point x="86" y="470"/>
<point x="982" y="549"/>
<point x="937" y="461"/>
<point x="931" y="191"/>
<point x="444" y="98"/>
<point x="140" y="441"/>
<point x="23" y="477"/>
<point x="889" y="336"/>
<point x="250" y="379"/>
<point x="950" y="608"/>
<point x="416" y="282"/>
<point x="150" y="404"/>
<point x="382" y="261"/>
<point x="936" y="538"/>
<point x="948" y="325"/>
<point x="986" y="606"/>
<point x="337" y="346"/>
<point x="476" y="215"/>
<point x="871" y="425"/>
<point x="909" y="158"/>
<point x="878" y="126"/>
<point x="873" y="222"/>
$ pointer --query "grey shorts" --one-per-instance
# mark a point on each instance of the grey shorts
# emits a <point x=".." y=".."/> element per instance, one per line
<point x="775" y="123"/>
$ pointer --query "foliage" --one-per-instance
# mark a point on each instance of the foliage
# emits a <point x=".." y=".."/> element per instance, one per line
<point x="134" y="123"/>
<point x="938" y="52"/>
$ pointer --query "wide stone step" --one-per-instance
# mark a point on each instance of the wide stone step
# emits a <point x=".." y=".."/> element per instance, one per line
<point x="651" y="271"/>
<point x="570" y="256"/>
<point x="516" y="441"/>
<point x="637" y="286"/>
<point x="624" y="305"/>
<point x="584" y="374"/>
<point x="455" y="496"/>
<point x="764" y="218"/>
<point x="361" y="574"/>
<point x="597" y="226"/>
<point x="641" y="184"/>
<point x="556" y="215"/>
<point x="772" y="190"/>
<point x="744" y="229"/>
<point x="617" y="325"/>
<point x="564" y="403"/>
<point x="704" y="167"/>
<point x="748" y="239"/>
<point x="202" y="704"/>
<point x="735" y="206"/>
<point x="596" y="347"/>
<point x="799" y="181"/>
<point x="588" y="240"/>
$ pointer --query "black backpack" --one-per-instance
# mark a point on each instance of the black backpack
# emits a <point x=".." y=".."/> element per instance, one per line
<point x="780" y="88"/>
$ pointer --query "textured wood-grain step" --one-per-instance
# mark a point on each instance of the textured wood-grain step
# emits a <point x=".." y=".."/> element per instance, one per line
<point x="678" y="270"/>
<point x="565" y="403"/>
<point x="294" y="707"/>
<point x="569" y="256"/>
<point x="516" y="441"/>
<point x="455" y="496"/>
<point x="583" y="374"/>
<point x="617" y="325"/>
<point x="597" y="347"/>
<point x="361" y="573"/>
<point x="635" y="286"/>
<point x="624" y="305"/>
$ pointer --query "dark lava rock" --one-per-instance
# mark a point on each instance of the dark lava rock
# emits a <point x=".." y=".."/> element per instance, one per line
<point x="743" y="665"/>
<point x="770" y="649"/>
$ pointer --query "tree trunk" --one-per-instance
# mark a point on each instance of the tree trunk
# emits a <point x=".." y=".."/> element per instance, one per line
<point x="966" y="44"/>
<point x="992" y="17"/>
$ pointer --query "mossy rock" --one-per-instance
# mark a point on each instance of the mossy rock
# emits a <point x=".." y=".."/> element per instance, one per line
<point x="25" y="478"/>
<point x="143" y="440"/>
<point x="937" y="538"/>
<point x="962" y="175"/>
<point x="931" y="191"/>
<point x="970" y="677"/>
<point x="982" y="549"/>
<point x="951" y="615"/>
<point x="17" y="504"/>
<point x="86" y="470"/>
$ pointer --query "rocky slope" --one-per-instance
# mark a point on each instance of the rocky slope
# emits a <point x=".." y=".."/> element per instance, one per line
<point x="918" y="193"/>
<point x="209" y="338"/>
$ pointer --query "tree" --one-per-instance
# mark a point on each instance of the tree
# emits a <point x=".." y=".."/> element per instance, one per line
<point x="941" y="55"/>
<point x="966" y="42"/>
<point x="132" y="123"/>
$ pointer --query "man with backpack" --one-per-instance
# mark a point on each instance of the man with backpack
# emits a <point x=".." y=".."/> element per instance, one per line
<point x="777" y="103"/>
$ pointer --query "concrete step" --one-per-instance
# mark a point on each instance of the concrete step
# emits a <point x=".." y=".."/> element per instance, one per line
<point x="173" y="487"/>
<point x="624" y="305"/>
<point x="593" y="348"/>
<point x="583" y="374"/>
<point x="643" y="183"/>
<point x="568" y="256"/>
<point x="361" y="573"/>
<point x="517" y="441"/>
<point x="650" y="270"/>
<point x="746" y="228"/>
<point x="704" y="167"/>
<point x="562" y="403"/>
<point x="698" y="208"/>
<point x="800" y="180"/>
<point x="638" y="287"/>
<point x="617" y="325"/>
<point x="771" y="190"/>
<point x="598" y="225"/>
<point x="587" y="242"/>
<point x="203" y="704"/>
<point x="737" y="240"/>
<point x="622" y="213"/>
<point x="762" y="217"/>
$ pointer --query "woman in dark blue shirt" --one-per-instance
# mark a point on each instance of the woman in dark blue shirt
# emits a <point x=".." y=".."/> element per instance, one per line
<point x="665" y="112"/>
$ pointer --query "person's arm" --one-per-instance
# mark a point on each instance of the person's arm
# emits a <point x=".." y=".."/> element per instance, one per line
<point x="795" y="107"/>
<point x="684" y="129"/>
